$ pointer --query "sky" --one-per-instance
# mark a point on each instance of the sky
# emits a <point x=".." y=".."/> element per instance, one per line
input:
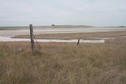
<point x="63" y="12"/>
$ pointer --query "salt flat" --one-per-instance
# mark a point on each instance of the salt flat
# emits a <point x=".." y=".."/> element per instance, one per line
<point x="5" y="35"/>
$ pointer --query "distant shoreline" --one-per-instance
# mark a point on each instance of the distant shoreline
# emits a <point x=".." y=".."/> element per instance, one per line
<point x="57" y="26"/>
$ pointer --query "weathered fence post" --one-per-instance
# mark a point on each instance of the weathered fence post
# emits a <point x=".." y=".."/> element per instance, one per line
<point x="78" y="42"/>
<point x="31" y="36"/>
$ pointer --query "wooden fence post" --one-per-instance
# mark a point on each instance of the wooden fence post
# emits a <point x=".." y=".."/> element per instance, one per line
<point x="31" y="36"/>
<point x="78" y="42"/>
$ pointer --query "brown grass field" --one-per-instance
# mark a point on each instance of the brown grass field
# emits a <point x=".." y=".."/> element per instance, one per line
<point x="91" y="35"/>
<point x="63" y="63"/>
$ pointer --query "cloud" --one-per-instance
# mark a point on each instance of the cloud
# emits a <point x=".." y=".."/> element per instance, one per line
<point x="76" y="12"/>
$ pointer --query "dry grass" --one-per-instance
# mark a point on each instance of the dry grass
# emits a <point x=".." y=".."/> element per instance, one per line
<point x="77" y="35"/>
<point x="63" y="63"/>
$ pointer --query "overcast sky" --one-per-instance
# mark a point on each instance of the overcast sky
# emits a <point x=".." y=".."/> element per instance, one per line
<point x="61" y="12"/>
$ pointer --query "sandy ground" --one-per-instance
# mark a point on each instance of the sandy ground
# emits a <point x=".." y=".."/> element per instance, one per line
<point x="86" y="36"/>
<point x="12" y="33"/>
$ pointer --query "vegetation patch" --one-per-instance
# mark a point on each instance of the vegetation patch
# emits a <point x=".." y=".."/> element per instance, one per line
<point x="63" y="63"/>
